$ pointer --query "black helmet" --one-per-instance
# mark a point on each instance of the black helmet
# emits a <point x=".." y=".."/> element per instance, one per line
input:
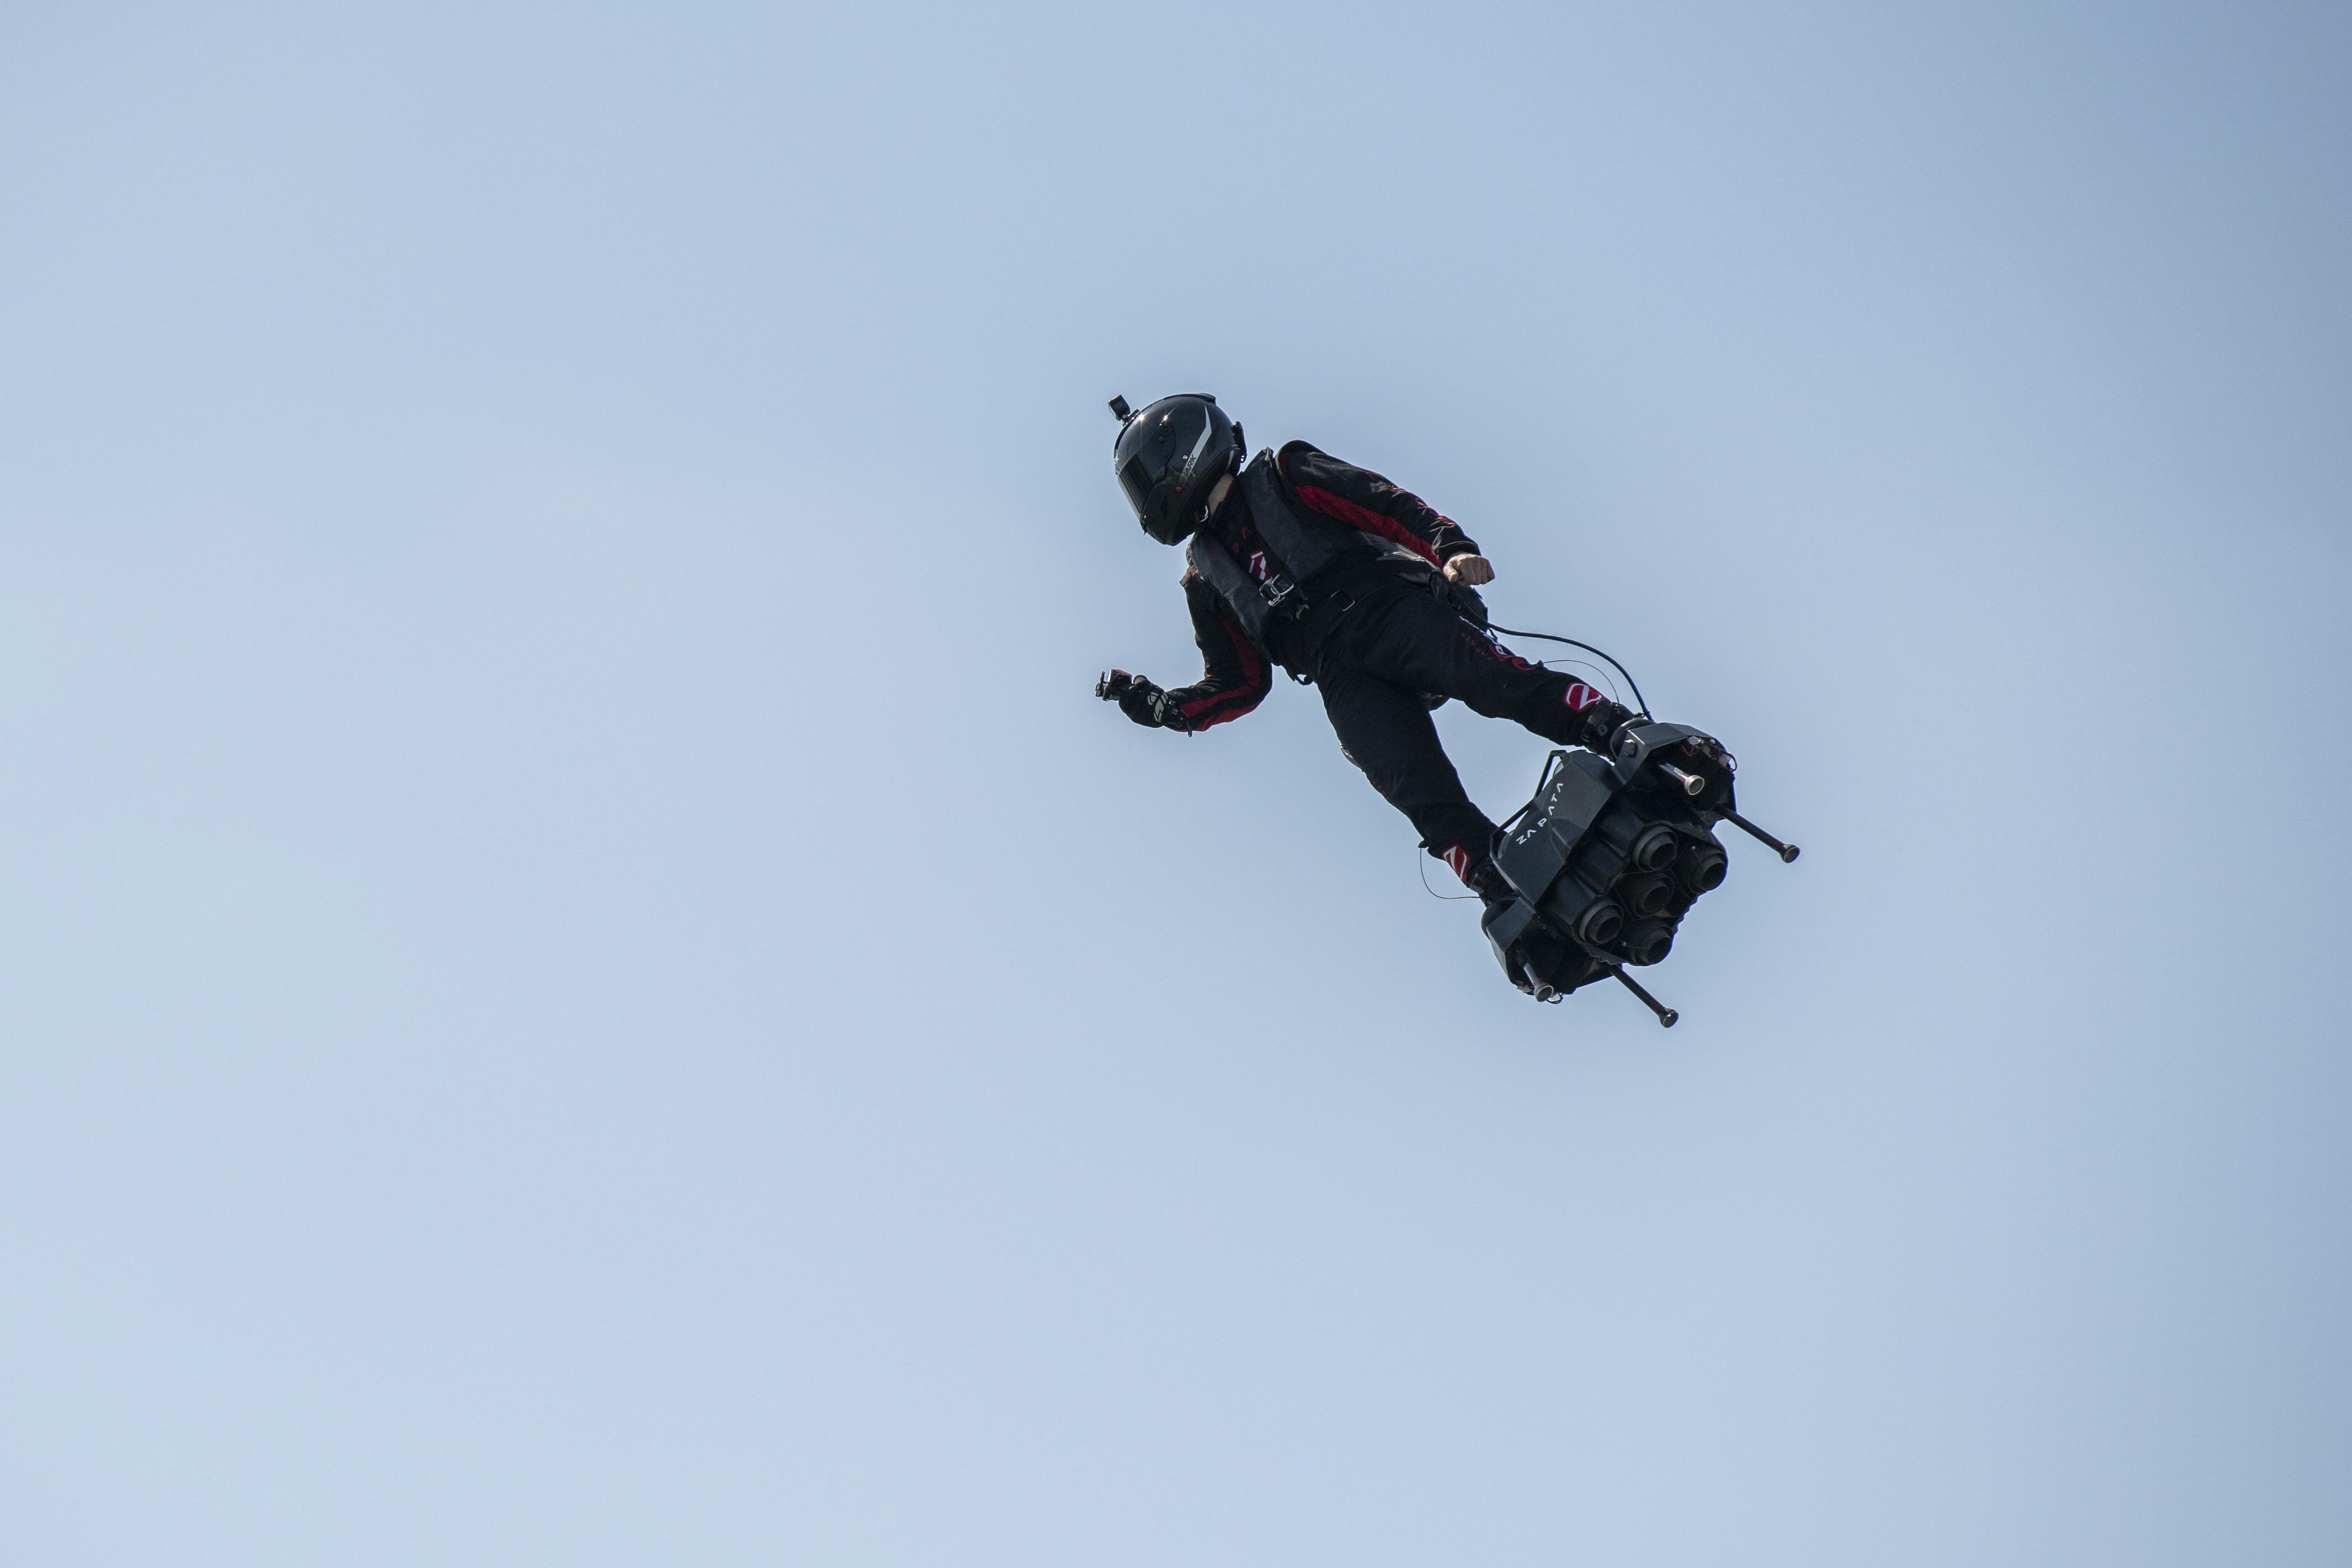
<point x="1169" y="455"/>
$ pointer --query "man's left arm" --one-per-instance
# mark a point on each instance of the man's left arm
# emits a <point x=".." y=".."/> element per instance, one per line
<point x="1363" y="499"/>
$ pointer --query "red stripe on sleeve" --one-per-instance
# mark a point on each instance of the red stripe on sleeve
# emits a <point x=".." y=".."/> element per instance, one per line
<point x="1252" y="666"/>
<point x="1364" y="518"/>
<point x="1240" y="699"/>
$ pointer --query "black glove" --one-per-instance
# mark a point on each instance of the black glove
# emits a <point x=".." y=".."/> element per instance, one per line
<point x="1141" y="701"/>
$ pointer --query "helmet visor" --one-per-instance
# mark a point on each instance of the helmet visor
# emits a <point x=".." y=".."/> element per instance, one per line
<point x="1135" y="477"/>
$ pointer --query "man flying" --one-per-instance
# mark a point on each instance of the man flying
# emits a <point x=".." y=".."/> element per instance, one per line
<point x="1298" y="560"/>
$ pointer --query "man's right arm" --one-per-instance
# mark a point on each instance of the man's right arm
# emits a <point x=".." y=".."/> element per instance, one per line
<point x="1234" y="675"/>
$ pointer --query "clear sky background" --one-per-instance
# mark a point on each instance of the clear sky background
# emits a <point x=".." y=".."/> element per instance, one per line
<point x="584" y="983"/>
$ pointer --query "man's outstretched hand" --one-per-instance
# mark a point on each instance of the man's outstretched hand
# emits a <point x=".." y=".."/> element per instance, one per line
<point x="1470" y="570"/>
<point x="1141" y="701"/>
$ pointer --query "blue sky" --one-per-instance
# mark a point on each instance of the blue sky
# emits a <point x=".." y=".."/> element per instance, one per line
<point x="585" y="982"/>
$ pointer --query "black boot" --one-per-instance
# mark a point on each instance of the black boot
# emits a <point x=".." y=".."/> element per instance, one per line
<point x="1485" y="879"/>
<point x="1479" y="873"/>
<point x="1598" y="723"/>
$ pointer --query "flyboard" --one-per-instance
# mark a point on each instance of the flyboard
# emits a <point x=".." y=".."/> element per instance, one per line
<point x="1609" y="856"/>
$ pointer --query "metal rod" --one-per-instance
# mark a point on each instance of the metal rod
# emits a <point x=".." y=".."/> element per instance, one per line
<point x="1786" y="852"/>
<point x="1666" y="1015"/>
<point x="1691" y="782"/>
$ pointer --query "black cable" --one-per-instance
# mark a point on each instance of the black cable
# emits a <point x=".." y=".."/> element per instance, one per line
<point x="1641" y="702"/>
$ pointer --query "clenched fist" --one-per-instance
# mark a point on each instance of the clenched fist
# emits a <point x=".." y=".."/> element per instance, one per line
<point x="1141" y="701"/>
<point x="1470" y="570"/>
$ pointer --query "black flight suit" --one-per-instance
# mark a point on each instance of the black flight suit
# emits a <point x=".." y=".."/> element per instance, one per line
<point x="1373" y="640"/>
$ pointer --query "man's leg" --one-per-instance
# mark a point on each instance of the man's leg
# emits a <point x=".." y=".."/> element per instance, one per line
<point x="1385" y="730"/>
<point x="1416" y="641"/>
